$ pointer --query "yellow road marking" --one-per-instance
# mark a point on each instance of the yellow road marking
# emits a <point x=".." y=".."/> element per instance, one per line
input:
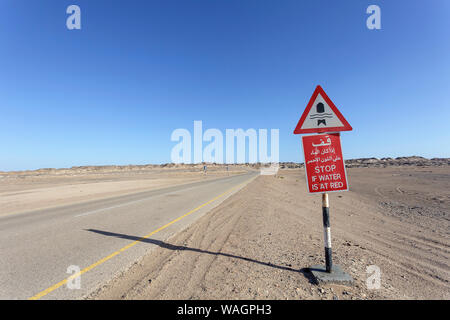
<point x="112" y="255"/>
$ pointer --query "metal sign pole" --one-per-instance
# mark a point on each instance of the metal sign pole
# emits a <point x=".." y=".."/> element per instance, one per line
<point x="327" y="231"/>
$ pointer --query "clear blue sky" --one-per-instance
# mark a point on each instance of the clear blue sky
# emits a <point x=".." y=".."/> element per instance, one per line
<point x="113" y="92"/>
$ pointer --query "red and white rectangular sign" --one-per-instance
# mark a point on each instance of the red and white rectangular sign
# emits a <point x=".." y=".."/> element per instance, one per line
<point x="324" y="164"/>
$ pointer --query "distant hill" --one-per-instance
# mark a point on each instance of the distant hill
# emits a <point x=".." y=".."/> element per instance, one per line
<point x="384" y="162"/>
<point x="351" y="163"/>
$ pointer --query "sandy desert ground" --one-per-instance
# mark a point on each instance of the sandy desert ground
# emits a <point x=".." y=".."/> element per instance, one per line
<point x="258" y="243"/>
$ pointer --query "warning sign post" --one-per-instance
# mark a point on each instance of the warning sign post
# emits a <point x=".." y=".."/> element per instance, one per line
<point x="325" y="168"/>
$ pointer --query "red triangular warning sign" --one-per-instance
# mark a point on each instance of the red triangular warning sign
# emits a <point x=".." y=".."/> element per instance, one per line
<point x="321" y="115"/>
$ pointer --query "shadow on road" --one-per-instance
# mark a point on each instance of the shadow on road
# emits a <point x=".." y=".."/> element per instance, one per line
<point x="165" y="245"/>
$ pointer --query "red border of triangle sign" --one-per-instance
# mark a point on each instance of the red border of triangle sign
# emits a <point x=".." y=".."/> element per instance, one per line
<point x="346" y="126"/>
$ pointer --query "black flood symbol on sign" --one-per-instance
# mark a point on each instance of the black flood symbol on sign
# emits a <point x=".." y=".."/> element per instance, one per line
<point x="320" y="114"/>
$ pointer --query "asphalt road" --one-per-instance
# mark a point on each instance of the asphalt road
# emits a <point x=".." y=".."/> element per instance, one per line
<point x="41" y="250"/>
